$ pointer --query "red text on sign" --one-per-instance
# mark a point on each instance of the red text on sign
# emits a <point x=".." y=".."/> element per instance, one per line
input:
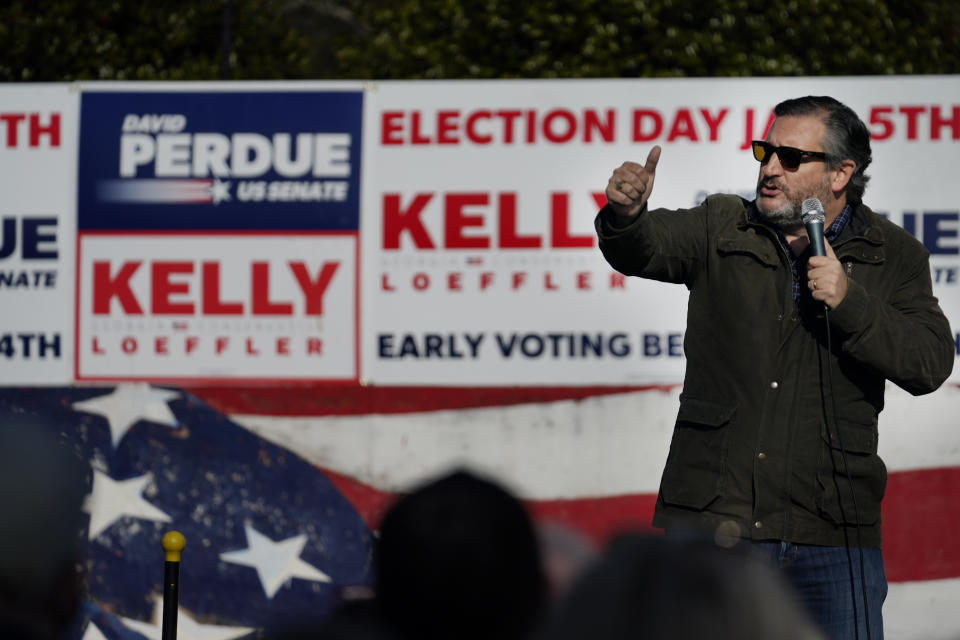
<point x="495" y="126"/>
<point x="456" y="281"/>
<point x="191" y="345"/>
<point x="467" y="215"/>
<point x="29" y="129"/>
<point x="173" y="284"/>
<point x="650" y="124"/>
<point x="915" y="122"/>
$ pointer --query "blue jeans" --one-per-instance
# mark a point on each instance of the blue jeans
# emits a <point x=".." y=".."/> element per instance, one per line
<point x="820" y="577"/>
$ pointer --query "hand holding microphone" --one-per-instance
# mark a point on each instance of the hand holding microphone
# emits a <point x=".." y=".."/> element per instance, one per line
<point x="825" y="276"/>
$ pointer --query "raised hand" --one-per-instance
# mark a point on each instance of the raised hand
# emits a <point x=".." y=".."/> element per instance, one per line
<point x="630" y="185"/>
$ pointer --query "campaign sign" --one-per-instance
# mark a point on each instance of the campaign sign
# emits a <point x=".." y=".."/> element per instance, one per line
<point x="217" y="306"/>
<point x="218" y="235"/>
<point x="220" y="160"/>
<point x="38" y="146"/>
<point x="481" y="264"/>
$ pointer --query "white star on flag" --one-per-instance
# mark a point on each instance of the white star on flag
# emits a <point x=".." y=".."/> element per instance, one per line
<point x="187" y="627"/>
<point x="275" y="562"/>
<point x="128" y="404"/>
<point x="93" y="633"/>
<point x="109" y="500"/>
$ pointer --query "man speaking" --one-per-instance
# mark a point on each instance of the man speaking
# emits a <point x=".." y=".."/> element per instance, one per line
<point x="788" y="352"/>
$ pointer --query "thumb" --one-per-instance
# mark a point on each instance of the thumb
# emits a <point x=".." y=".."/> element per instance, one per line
<point x="653" y="159"/>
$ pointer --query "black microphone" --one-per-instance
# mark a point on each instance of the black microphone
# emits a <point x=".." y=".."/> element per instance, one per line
<point x="811" y="212"/>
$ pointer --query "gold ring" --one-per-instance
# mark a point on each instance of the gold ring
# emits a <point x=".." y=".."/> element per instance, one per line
<point x="814" y="285"/>
<point x="619" y="185"/>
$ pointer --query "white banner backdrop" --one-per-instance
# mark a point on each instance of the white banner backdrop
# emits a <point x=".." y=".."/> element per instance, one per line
<point x="479" y="262"/>
<point x="38" y="169"/>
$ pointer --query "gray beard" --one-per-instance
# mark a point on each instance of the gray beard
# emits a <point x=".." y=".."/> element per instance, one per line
<point x="788" y="217"/>
<point x="785" y="218"/>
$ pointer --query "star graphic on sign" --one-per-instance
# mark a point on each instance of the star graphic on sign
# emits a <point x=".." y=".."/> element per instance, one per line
<point x="187" y="627"/>
<point x="109" y="500"/>
<point x="275" y="562"/>
<point x="128" y="404"/>
<point x="219" y="191"/>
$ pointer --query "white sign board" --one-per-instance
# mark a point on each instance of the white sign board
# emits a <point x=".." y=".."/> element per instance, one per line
<point x="480" y="265"/>
<point x="38" y="169"/>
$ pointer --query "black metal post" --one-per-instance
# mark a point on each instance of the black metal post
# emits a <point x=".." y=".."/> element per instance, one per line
<point x="173" y="544"/>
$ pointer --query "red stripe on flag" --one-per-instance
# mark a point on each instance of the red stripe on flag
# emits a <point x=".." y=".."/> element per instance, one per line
<point x="599" y="518"/>
<point x="344" y="400"/>
<point x="921" y="515"/>
<point x="596" y="518"/>
<point x="370" y="503"/>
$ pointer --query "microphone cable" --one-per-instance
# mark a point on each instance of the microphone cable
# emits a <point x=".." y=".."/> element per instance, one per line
<point x="812" y="216"/>
<point x="853" y="494"/>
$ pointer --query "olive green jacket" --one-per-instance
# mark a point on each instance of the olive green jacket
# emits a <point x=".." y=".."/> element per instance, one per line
<point x="755" y="450"/>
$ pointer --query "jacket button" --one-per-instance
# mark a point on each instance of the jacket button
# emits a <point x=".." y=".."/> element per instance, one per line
<point x="761" y="456"/>
<point x="758" y="525"/>
<point x="774" y="384"/>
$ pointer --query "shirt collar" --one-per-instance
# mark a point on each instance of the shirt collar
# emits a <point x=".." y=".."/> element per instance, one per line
<point x="839" y="223"/>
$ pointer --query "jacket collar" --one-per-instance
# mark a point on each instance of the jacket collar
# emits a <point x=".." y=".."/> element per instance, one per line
<point x="863" y="225"/>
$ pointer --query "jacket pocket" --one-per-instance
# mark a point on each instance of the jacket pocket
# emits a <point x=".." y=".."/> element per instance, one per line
<point x="866" y="471"/>
<point x="693" y="475"/>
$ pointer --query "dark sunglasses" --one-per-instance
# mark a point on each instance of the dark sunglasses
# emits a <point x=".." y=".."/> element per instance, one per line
<point x="790" y="157"/>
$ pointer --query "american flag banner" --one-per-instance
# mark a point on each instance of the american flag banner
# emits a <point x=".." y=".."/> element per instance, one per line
<point x="278" y="491"/>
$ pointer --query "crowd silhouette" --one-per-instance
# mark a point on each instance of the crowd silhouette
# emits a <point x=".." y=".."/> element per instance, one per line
<point x="42" y="486"/>
<point x="460" y="558"/>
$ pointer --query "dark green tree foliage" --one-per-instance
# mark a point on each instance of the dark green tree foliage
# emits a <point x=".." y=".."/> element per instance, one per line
<point x="633" y="38"/>
<point x="64" y="40"/>
<point x="61" y="40"/>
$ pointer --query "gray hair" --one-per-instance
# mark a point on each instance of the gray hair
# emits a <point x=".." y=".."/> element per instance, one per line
<point x="847" y="136"/>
